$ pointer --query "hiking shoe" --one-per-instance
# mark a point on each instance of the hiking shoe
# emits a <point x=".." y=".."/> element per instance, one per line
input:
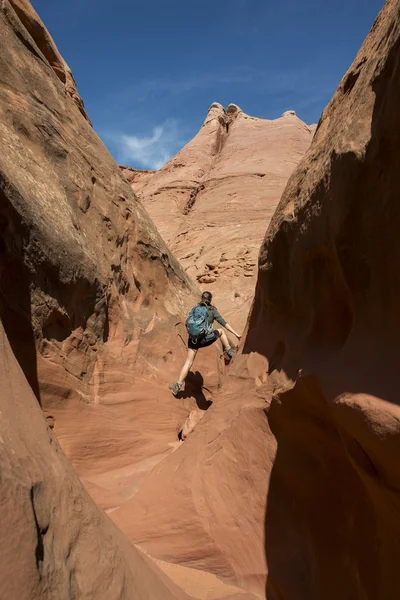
<point x="230" y="352"/>
<point x="175" y="388"/>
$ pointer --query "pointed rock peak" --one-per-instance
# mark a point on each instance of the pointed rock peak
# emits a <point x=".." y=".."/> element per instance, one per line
<point x="216" y="111"/>
<point x="217" y="106"/>
<point x="289" y="113"/>
<point x="233" y="109"/>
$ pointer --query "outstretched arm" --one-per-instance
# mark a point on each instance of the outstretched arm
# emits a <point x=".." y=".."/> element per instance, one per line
<point x="229" y="328"/>
<point x="222" y="322"/>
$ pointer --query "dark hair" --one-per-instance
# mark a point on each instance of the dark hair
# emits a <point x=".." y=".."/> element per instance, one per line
<point x="206" y="297"/>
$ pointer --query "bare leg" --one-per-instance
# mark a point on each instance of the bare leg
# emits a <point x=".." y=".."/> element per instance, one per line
<point x="223" y="338"/>
<point x="191" y="355"/>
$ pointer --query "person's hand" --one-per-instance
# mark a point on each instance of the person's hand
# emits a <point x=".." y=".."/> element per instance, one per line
<point x="239" y="337"/>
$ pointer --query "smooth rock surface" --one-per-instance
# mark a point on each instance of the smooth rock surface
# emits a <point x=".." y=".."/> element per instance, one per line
<point x="55" y="542"/>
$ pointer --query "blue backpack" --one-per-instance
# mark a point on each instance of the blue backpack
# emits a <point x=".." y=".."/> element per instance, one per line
<point x="197" y="323"/>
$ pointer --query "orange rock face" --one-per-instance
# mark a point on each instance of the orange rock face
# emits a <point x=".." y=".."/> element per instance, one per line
<point x="95" y="279"/>
<point x="327" y="304"/>
<point x="90" y="301"/>
<point x="56" y="542"/>
<point x="39" y="41"/>
<point x="214" y="199"/>
<point x="136" y="177"/>
<point x="204" y="506"/>
<point x="287" y="486"/>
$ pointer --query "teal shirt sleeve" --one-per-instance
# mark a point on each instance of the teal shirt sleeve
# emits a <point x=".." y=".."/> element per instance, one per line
<point x="218" y="318"/>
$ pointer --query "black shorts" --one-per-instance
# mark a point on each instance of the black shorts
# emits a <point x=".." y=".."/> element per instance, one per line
<point x="204" y="342"/>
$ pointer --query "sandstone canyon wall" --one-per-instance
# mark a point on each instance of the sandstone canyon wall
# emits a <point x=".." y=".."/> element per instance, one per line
<point x="327" y="303"/>
<point x="93" y="267"/>
<point x="213" y="201"/>
<point x="55" y="542"/>
<point x="86" y="285"/>
<point x="289" y="486"/>
<point x="92" y="300"/>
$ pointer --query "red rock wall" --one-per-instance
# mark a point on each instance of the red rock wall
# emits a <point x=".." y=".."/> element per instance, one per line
<point x="36" y="37"/>
<point x="288" y="486"/>
<point x="84" y="274"/>
<point x="326" y="319"/>
<point x="56" y="542"/>
<point x="90" y="300"/>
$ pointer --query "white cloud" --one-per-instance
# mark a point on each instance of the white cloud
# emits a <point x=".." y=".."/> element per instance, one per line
<point x="149" y="151"/>
<point x="136" y="138"/>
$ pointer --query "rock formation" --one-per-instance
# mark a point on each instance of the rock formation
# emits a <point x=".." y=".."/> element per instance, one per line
<point x="56" y="542"/>
<point x="288" y="486"/>
<point x="213" y="200"/>
<point x="203" y="507"/>
<point x="136" y="177"/>
<point x="34" y="35"/>
<point x="327" y="302"/>
<point x="98" y="303"/>
<point x="90" y="301"/>
<point x="95" y="279"/>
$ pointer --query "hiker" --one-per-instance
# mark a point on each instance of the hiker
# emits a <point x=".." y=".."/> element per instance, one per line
<point x="199" y="325"/>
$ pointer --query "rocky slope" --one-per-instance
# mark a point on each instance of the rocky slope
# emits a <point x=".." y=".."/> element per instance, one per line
<point x="213" y="201"/>
<point x="56" y="542"/>
<point x="289" y="485"/>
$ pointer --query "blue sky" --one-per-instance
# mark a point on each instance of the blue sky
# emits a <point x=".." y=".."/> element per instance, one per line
<point x="148" y="70"/>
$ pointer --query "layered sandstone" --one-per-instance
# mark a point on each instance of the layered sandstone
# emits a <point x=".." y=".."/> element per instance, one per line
<point x="136" y="177"/>
<point x="56" y="542"/>
<point x="96" y="285"/>
<point x="327" y="302"/>
<point x="91" y="301"/>
<point x="289" y="484"/>
<point x="213" y="200"/>
<point x="43" y="45"/>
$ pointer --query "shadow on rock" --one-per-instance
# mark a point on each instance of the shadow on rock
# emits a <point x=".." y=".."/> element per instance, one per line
<point x="326" y="303"/>
<point x="15" y="291"/>
<point x="194" y="389"/>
